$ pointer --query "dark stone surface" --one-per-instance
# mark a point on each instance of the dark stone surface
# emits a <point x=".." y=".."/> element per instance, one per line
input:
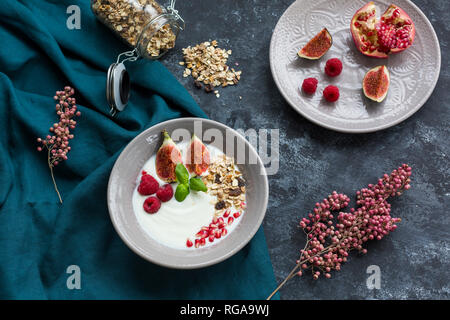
<point x="414" y="260"/>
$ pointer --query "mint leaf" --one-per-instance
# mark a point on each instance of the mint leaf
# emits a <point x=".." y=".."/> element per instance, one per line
<point x="197" y="184"/>
<point x="181" y="192"/>
<point x="182" y="174"/>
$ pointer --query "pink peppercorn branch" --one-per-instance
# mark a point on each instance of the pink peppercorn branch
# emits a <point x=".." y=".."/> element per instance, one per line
<point x="329" y="240"/>
<point x="58" y="144"/>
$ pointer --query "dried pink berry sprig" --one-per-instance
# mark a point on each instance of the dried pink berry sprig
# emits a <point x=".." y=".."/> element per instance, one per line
<point x="57" y="144"/>
<point x="330" y="237"/>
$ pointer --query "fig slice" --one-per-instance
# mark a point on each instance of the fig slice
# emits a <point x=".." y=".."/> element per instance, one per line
<point x="376" y="83"/>
<point x="317" y="46"/>
<point x="392" y="33"/>
<point x="167" y="158"/>
<point x="197" y="157"/>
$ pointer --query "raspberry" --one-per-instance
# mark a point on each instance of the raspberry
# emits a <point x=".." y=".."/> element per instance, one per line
<point x="333" y="67"/>
<point x="165" y="193"/>
<point x="331" y="93"/>
<point x="148" y="185"/>
<point x="309" y="85"/>
<point x="152" y="204"/>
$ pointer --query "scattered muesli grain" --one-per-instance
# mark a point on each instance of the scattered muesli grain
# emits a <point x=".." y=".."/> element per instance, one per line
<point x="208" y="64"/>
<point x="208" y="88"/>
<point x="197" y="84"/>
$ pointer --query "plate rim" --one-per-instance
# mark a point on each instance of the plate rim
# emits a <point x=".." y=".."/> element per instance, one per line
<point x="408" y="114"/>
<point x="231" y="252"/>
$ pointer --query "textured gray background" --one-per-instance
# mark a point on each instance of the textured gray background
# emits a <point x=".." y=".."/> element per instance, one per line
<point x="414" y="260"/>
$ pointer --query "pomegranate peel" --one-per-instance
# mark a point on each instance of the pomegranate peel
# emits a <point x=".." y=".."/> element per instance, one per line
<point x="376" y="83"/>
<point x="317" y="46"/>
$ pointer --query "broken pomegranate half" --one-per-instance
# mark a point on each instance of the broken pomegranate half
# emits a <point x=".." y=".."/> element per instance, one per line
<point x="317" y="46"/>
<point x="392" y="33"/>
<point x="376" y="83"/>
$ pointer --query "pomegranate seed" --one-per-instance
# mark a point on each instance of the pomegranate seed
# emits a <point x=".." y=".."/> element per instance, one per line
<point x="221" y="226"/>
<point x="218" y="234"/>
<point x="370" y="33"/>
<point x="197" y="243"/>
<point x="357" y="24"/>
<point x="214" y="220"/>
<point x="226" y="214"/>
<point x="243" y="205"/>
<point x="211" y="238"/>
<point x="202" y="234"/>
<point x="236" y="214"/>
<point x="230" y="220"/>
<point x="189" y="243"/>
<point x="202" y="241"/>
<point x="211" y="231"/>
<point x="144" y="172"/>
<point x="205" y="228"/>
<point x="224" y="232"/>
<point x="212" y="226"/>
<point x="221" y="220"/>
<point x="364" y="48"/>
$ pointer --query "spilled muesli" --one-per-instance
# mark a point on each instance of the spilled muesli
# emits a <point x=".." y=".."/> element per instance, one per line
<point x="207" y="64"/>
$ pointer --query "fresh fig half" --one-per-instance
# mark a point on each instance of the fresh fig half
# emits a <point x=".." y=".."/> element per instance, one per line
<point x="376" y="83"/>
<point x="317" y="46"/>
<point x="167" y="158"/>
<point x="198" y="157"/>
<point x="392" y="33"/>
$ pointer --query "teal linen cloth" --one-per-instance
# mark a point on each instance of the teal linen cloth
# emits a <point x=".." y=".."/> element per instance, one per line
<point x="40" y="238"/>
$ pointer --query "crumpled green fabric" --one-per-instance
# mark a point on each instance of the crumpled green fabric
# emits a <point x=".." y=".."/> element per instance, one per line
<point x="40" y="238"/>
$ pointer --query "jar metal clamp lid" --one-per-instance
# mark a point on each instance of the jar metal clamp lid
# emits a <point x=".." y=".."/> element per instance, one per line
<point x="118" y="84"/>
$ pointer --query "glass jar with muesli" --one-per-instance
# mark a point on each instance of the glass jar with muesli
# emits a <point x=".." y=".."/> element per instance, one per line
<point x="145" y="25"/>
<point x="149" y="28"/>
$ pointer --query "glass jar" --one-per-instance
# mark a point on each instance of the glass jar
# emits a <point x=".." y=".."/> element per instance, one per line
<point x="144" y="24"/>
<point x="149" y="28"/>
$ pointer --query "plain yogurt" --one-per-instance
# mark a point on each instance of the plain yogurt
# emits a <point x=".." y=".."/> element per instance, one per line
<point x="175" y="222"/>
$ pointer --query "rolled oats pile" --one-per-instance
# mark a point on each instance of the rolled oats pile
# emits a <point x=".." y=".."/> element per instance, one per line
<point x="207" y="64"/>
<point x="129" y="18"/>
<point x="225" y="181"/>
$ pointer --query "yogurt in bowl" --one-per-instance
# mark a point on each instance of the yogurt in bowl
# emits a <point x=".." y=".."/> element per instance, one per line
<point x="203" y="218"/>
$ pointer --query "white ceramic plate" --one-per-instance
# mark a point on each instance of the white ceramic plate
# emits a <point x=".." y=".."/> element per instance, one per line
<point x="414" y="72"/>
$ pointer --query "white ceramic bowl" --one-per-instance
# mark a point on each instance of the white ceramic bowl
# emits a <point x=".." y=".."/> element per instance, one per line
<point x="122" y="183"/>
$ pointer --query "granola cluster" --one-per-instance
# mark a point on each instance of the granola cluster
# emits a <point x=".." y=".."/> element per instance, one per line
<point x="129" y="19"/>
<point x="207" y="64"/>
<point x="225" y="181"/>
